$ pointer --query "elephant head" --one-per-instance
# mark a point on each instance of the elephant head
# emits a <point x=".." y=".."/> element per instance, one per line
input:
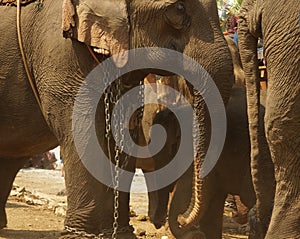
<point x="117" y="26"/>
<point x="102" y="26"/>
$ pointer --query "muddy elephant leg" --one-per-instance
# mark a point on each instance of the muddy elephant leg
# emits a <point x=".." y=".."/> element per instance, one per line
<point x="8" y="170"/>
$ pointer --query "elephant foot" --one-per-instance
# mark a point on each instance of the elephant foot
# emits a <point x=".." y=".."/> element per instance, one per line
<point x="121" y="235"/>
<point x="256" y="231"/>
<point x="193" y="235"/>
<point x="159" y="224"/>
<point x="89" y="236"/>
<point x="70" y="233"/>
<point x="2" y="225"/>
<point x="3" y="220"/>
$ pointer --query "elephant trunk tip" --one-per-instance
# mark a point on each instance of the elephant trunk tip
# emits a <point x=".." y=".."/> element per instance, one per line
<point x="188" y="221"/>
<point x="181" y="220"/>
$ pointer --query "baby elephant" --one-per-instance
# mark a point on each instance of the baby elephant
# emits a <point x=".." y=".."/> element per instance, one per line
<point x="231" y="174"/>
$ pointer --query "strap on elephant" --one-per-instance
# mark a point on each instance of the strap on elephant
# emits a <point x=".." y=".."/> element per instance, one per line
<point x="24" y="59"/>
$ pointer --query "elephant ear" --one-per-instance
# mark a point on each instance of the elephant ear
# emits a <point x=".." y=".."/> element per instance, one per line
<point x="100" y="24"/>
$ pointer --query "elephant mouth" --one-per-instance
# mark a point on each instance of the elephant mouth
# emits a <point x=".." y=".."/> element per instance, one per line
<point x="99" y="54"/>
<point x="101" y="51"/>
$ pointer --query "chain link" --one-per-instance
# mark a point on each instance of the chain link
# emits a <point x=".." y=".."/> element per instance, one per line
<point x="141" y="99"/>
<point x="105" y="234"/>
<point x="81" y="233"/>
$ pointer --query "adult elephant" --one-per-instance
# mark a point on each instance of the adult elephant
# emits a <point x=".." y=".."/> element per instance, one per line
<point x="58" y="67"/>
<point x="278" y="24"/>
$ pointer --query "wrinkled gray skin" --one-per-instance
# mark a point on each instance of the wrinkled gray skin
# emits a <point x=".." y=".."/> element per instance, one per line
<point x="231" y="175"/>
<point x="59" y="66"/>
<point x="281" y="34"/>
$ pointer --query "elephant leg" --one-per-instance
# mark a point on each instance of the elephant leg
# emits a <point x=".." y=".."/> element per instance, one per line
<point x="283" y="138"/>
<point x="158" y="200"/>
<point x="8" y="171"/>
<point x="91" y="203"/>
<point x="211" y="223"/>
<point x="158" y="205"/>
<point x="264" y="183"/>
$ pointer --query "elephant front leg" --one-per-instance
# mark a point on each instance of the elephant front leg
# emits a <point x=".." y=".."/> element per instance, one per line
<point x="158" y="205"/>
<point x="8" y="171"/>
<point x="91" y="208"/>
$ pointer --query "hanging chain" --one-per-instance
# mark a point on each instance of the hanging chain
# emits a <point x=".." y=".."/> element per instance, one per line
<point x="119" y="137"/>
<point x="109" y="98"/>
<point x="105" y="234"/>
<point x="141" y="99"/>
<point x="119" y="123"/>
<point x="107" y="113"/>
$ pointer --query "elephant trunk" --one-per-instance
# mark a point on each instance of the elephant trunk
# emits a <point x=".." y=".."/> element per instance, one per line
<point x="200" y="196"/>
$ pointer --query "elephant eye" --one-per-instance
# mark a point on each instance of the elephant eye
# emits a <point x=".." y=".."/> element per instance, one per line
<point x="176" y="15"/>
<point x="180" y="6"/>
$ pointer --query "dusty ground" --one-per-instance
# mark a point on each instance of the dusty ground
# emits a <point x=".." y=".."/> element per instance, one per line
<point x="35" y="211"/>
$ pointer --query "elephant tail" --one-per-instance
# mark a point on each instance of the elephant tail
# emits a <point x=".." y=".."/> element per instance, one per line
<point x="249" y="31"/>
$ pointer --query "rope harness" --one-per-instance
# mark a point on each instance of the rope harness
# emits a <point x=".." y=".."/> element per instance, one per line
<point x="24" y="59"/>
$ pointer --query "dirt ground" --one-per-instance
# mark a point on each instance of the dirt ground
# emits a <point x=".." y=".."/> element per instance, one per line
<point x="36" y="211"/>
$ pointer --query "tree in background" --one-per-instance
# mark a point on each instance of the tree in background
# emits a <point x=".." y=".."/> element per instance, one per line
<point x="228" y="11"/>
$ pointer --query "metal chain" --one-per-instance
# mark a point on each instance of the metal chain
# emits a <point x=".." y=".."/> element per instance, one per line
<point x="107" y="114"/>
<point x="119" y="137"/>
<point x="105" y="234"/>
<point x="118" y="150"/>
<point x="141" y="99"/>
<point x="119" y="122"/>
<point x="109" y="98"/>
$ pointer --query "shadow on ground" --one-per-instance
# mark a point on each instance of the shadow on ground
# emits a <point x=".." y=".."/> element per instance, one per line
<point x="25" y="234"/>
<point x="15" y="205"/>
